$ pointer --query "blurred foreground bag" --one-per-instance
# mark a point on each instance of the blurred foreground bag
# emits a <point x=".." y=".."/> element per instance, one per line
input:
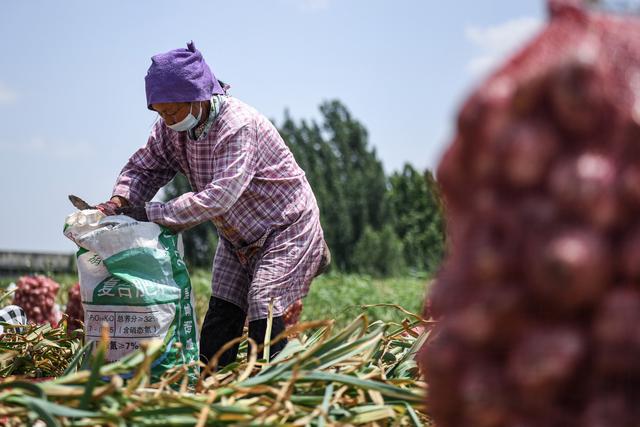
<point x="538" y="300"/>
<point x="133" y="279"/>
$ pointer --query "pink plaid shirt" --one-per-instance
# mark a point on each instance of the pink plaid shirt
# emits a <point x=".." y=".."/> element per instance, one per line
<point x="245" y="178"/>
<point x="247" y="182"/>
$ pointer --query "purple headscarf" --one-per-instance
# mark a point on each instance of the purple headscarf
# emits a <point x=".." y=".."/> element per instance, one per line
<point x="180" y="75"/>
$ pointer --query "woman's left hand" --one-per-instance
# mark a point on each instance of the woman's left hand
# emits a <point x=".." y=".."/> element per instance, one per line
<point x="139" y="213"/>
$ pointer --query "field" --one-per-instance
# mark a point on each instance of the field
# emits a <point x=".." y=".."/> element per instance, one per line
<point x="339" y="296"/>
<point x="361" y="371"/>
<point x="332" y="296"/>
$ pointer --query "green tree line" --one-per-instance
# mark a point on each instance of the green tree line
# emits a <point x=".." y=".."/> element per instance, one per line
<point x="373" y="223"/>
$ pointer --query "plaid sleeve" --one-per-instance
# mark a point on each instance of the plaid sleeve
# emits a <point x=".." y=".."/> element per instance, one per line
<point x="147" y="170"/>
<point x="234" y="167"/>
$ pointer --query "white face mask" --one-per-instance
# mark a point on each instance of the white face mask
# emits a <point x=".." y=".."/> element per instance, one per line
<point x="188" y="122"/>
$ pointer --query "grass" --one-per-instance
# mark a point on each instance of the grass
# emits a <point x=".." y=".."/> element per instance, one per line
<point x="340" y="296"/>
<point x="333" y="296"/>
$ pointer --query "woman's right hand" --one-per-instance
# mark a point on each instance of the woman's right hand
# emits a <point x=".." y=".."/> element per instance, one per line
<point x="109" y="207"/>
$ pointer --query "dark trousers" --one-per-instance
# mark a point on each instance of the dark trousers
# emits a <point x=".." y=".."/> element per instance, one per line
<point x="223" y="322"/>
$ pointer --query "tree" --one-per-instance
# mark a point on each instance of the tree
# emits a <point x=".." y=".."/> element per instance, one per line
<point x="347" y="177"/>
<point x="379" y="253"/>
<point x="417" y="217"/>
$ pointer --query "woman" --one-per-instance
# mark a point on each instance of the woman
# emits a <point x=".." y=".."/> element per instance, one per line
<point x="244" y="179"/>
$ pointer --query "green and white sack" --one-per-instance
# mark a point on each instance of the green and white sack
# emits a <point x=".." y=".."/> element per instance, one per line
<point x="133" y="278"/>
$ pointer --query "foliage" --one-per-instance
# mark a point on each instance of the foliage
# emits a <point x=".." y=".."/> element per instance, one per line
<point x="417" y="217"/>
<point x="357" y="201"/>
<point x="36" y="351"/>
<point x="366" y="371"/>
<point x="346" y="175"/>
<point x="334" y="295"/>
<point x="363" y="374"/>
<point x="380" y="253"/>
<point x="340" y="296"/>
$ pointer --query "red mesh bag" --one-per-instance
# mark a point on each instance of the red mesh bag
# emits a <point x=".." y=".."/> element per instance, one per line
<point x="539" y="297"/>
<point x="37" y="296"/>
<point x="292" y="314"/>
<point x="74" y="311"/>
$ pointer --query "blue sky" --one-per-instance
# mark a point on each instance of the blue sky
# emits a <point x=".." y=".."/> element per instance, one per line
<point x="72" y="102"/>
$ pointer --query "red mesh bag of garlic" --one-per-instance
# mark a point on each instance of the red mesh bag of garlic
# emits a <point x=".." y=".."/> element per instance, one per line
<point x="74" y="311"/>
<point x="37" y="297"/>
<point x="539" y="297"/>
<point x="292" y="314"/>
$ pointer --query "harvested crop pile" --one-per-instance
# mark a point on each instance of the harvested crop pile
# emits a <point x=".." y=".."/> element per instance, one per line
<point x="37" y="295"/>
<point x="74" y="311"/>
<point x="539" y="298"/>
<point x="364" y="374"/>
<point x="36" y="351"/>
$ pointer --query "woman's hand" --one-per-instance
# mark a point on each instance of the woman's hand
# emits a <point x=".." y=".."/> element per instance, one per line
<point x="109" y="207"/>
<point x="139" y="213"/>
